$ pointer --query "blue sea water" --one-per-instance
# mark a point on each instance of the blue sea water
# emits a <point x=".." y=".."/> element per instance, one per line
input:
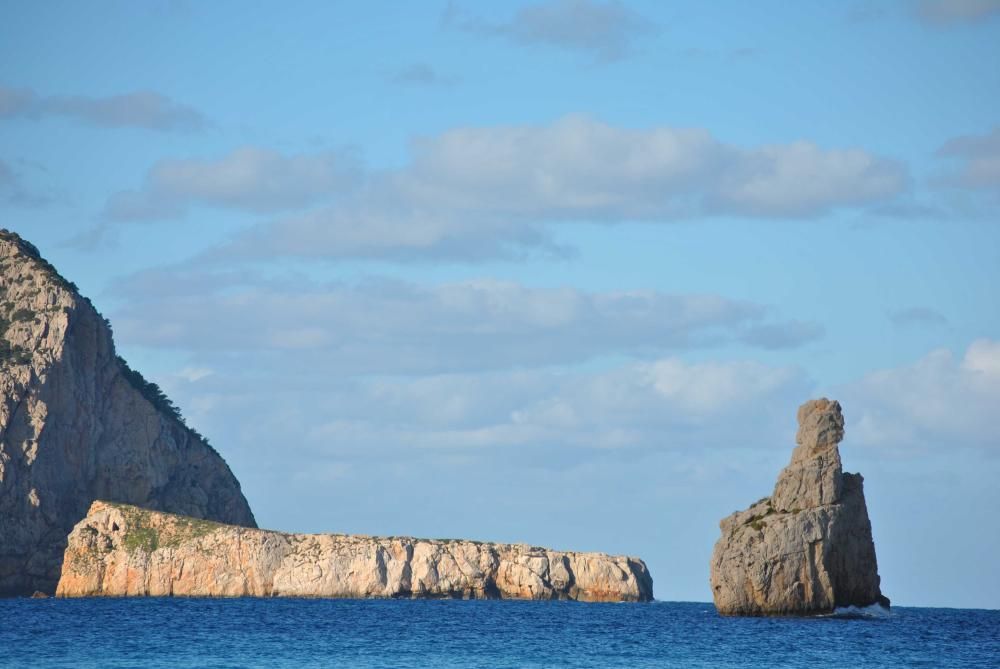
<point x="278" y="633"/>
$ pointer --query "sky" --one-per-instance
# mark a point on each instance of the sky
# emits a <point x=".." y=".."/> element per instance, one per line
<point x="556" y="272"/>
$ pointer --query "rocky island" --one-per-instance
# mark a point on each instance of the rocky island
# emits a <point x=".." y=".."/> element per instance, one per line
<point x="78" y="424"/>
<point x="806" y="549"/>
<point x="121" y="550"/>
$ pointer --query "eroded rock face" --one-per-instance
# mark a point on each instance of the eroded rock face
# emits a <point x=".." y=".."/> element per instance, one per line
<point x="808" y="547"/>
<point x="120" y="550"/>
<point x="77" y="425"/>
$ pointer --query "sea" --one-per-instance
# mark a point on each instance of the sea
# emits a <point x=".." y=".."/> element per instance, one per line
<point x="278" y="633"/>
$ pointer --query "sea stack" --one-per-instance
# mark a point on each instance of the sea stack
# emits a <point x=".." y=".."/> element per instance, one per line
<point x="77" y="424"/>
<point x="806" y="549"/>
<point x="120" y="550"/>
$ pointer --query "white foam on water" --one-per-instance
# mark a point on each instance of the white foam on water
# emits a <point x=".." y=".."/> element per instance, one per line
<point x="870" y="611"/>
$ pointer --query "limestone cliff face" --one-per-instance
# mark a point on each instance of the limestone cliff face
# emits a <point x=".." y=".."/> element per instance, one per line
<point x="808" y="548"/>
<point x="77" y="425"/>
<point x="121" y="550"/>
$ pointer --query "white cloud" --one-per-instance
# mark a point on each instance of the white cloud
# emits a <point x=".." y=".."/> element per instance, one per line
<point x="801" y="179"/>
<point x="483" y="192"/>
<point x="556" y="414"/>
<point x="139" y="109"/>
<point x="14" y="192"/>
<point x="655" y="405"/>
<point x="193" y="374"/>
<point x="580" y="168"/>
<point x="576" y="168"/>
<point x="377" y="224"/>
<point x="937" y="403"/>
<point x="606" y="31"/>
<point x="248" y="179"/>
<point x="788" y="334"/>
<point x="917" y="317"/>
<point x="934" y="405"/>
<point x="944" y="12"/>
<point x="392" y="327"/>
<point x="978" y="160"/>
<point x="983" y="358"/>
<point x="700" y="391"/>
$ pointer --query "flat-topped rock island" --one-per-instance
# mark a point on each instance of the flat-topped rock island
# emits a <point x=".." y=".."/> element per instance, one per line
<point x="123" y="550"/>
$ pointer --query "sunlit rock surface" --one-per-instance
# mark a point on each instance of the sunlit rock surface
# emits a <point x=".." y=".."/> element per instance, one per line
<point x="120" y="550"/>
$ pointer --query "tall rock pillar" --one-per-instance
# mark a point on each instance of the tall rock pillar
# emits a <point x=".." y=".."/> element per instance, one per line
<point x="808" y="547"/>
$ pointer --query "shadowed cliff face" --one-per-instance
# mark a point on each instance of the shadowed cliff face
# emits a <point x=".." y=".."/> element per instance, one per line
<point x="808" y="547"/>
<point x="77" y="425"/>
<point x="121" y="550"/>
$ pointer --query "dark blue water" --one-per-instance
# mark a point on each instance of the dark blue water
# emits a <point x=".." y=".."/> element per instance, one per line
<point x="277" y="633"/>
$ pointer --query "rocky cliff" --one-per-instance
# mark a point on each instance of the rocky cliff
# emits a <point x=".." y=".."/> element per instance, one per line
<point x="76" y="424"/>
<point x="808" y="547"/>
<point x="121" y="550"/>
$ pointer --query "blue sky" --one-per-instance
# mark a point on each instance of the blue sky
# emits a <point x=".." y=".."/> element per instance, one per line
<point x="557" y="272"/>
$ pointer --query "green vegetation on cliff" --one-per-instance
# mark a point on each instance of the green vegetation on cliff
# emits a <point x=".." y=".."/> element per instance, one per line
<point x="142" y="534"/>
<point x="10" y="353"/>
